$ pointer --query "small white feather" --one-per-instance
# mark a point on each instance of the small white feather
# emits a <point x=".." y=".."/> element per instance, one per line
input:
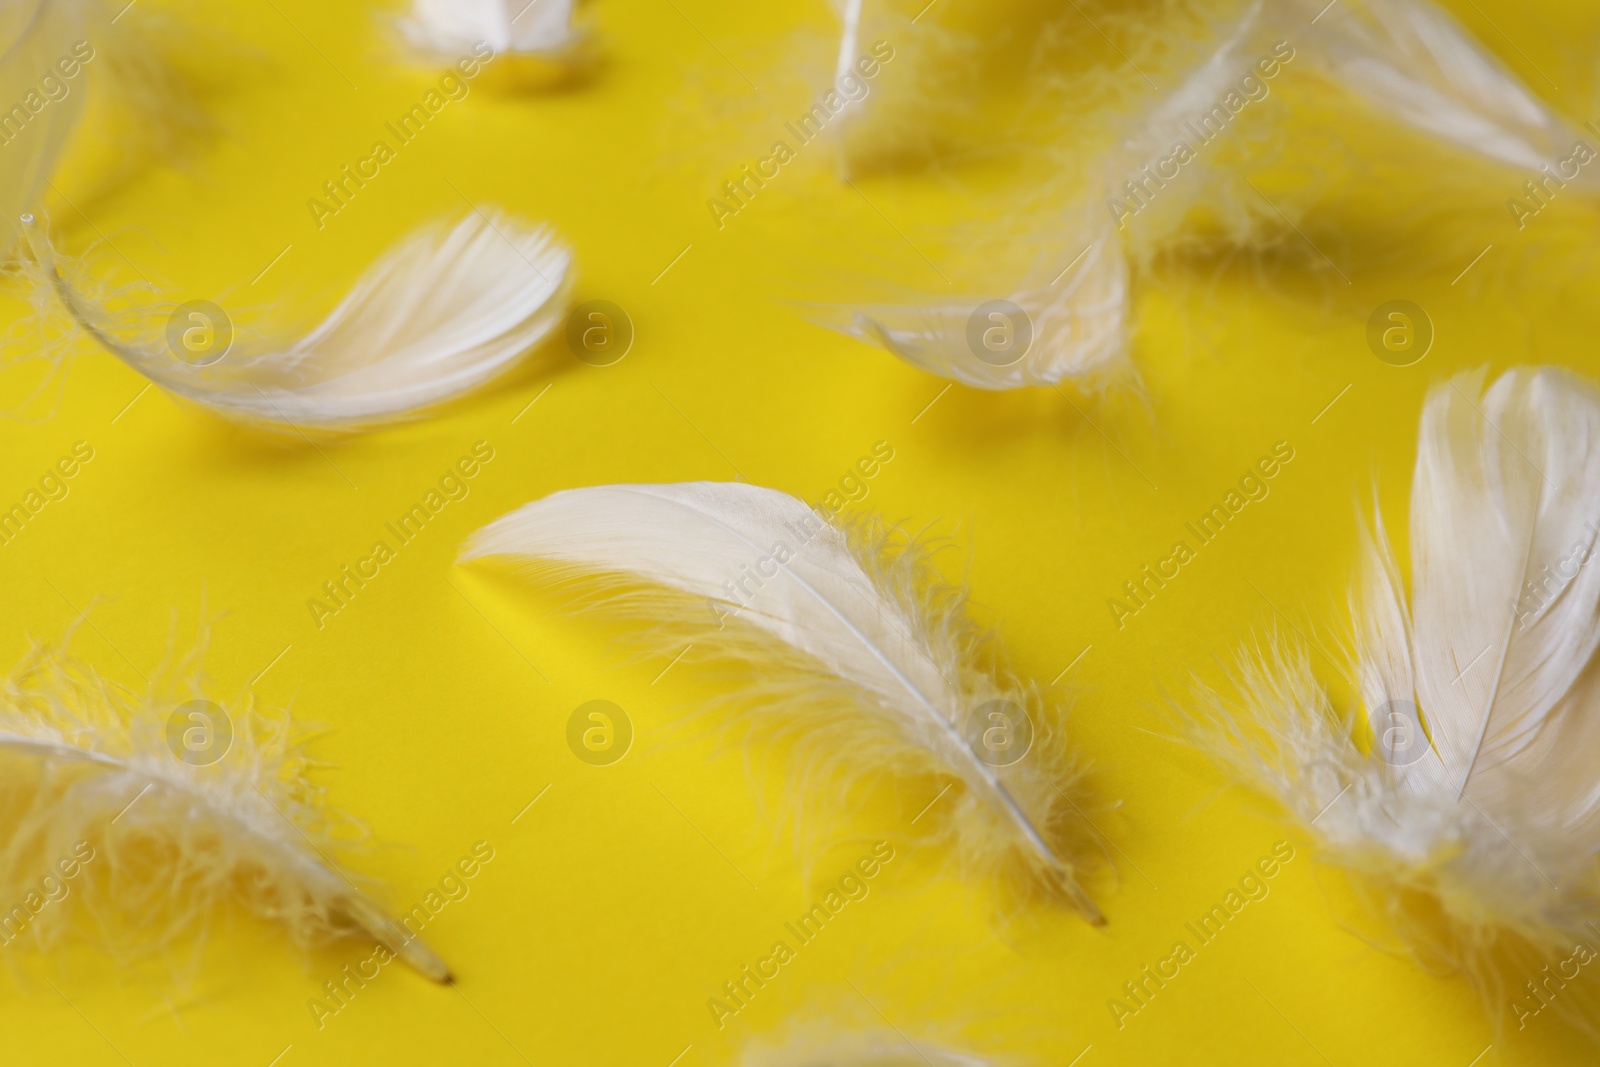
<point x="1480" y="788"/>
<point x="510" y="27"/>
<point x="444" y="312"/>
<point x="90" y="762"/>
<point x="857" y="652"/>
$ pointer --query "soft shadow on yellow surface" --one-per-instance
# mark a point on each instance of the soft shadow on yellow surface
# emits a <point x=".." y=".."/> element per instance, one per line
<point x="619" y="899"/>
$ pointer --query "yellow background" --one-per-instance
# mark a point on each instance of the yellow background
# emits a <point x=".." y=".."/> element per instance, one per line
<point x="622" y="900"/>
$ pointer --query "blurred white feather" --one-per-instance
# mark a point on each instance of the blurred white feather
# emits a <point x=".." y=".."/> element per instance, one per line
<point x="445" y="311"/>
<point x="89" y="761"/>
<point x="1412" y="60"/>
<point x="35" y="35"/>
<point x="1474" y="812"/>
<point x="857" y="652"/>
<point x="822" y="1045"/>
<point x="511" y="27"/>
<point x="1077" y="310"/>
<point x="1408" y="59"/>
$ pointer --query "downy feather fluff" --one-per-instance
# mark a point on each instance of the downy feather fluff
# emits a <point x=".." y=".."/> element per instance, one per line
<point x="446" y="310"/>
<point x="1464" y="789"/>
<point x="91" y="766"/>
<point x="856" y="651"/>
<point x="1407" y="60"/>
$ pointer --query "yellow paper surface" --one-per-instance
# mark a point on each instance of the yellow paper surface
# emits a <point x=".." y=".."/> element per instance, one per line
<point x="621" y="898"/>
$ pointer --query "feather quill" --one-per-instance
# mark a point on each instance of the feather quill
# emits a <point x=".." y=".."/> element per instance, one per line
<point x="90" y="762"/>
<point x="445" y="311"/>
<point x="857" y="653"/>
<point x="1473" y="808"/>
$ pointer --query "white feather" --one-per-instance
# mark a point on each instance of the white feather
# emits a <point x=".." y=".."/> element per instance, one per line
<point x="1411" y="59"/>
<point x="510" y="27"/>
<point x="1407" y="58"/>
<point x="34" y="34"/>
<point x="443" y="312"/>
<point x="856" y="650"/>
<point x="90" y="762"/>
<point x="1494" y="813"/>
<point x="1078" y="311"/>
<point x="823" y="1045"/>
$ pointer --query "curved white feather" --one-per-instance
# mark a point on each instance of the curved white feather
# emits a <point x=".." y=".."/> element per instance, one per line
<point x="1411" y="59"/>
<point x="1078" y="325"/>
<point x="819" y="600"/>
<point x="448" y="309"/>
<point x="177" y="836"/>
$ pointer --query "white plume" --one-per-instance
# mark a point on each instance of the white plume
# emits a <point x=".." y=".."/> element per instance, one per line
<point x="443" y="312"/>
<point x="856" y="651"/>
<point x="511" y="27"/>
<point x="1473" y="809"/>
<point x="104" y="776"/>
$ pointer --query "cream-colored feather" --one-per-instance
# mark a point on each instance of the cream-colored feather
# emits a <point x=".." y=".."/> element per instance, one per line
<point x="445" y="311"/>
<point x="93" y="769"/>
<point x="856" y="651"/>
<point x="1465" y="790"/>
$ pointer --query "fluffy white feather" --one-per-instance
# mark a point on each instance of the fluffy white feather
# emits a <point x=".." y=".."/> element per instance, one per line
<point x="856" y="651"/>
<point x="90" y="762"/>
<point x="443" y="312"/>
<point x="1473" y="808"/>
<point x="511" y="27"/>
